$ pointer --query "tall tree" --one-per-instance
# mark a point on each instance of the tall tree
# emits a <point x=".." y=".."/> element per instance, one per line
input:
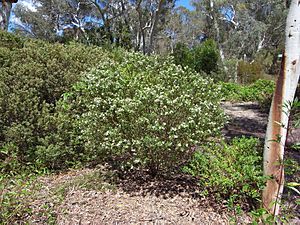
<point x="44" y="20"/>
<point x="123" y="23"/>
<point x="151" y="16"/>
<point x="279" y="113"/>
<point x="5" y="10"/>
<point x="184" y="27"/>
<point x="243" y="28"/>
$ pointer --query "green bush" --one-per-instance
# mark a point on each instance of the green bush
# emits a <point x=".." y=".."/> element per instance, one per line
<point x="230" y="169"/>
<point x="14" y="199"/>
<point x="201" y="58"/>
<point x="33" y="76"/>
<point x="249" y="72"/>
<point x="206" y="57"/>
<point x="182" y="55"/>
<point x="18" y="192"/>
<point x="145" y="112"/>
<point x="8" y="40"/>
<point x="261" y="91"/>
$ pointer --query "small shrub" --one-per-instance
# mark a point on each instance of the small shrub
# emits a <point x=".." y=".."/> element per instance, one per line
<point x="17" y="192"/>
<point x="261" y="91"/>
<point x="144" y="111"/>
<point x="182" y="55"/>
<point x="230" y="169"/>
<point x="249" y="72"/>
<point x="206" y="57"/>
<point x="265" y="90"/>
<point x="201" y="58"/>
<point x="231" y="70"/>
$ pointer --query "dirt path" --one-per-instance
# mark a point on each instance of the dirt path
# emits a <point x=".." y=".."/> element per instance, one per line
<point x="246" y="119"/>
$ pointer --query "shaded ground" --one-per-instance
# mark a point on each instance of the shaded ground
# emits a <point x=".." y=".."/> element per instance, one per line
<point x="245" y="119"/>
<point x="172" y="200"/>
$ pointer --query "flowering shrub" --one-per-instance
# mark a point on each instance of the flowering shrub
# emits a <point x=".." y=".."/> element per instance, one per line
<point x="145" y="111"/>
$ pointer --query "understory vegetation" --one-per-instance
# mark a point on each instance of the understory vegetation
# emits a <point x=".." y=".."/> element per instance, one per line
<point x="260" y="91"/>
<point x="230" y="170"/>
<point x="65" y="106"/>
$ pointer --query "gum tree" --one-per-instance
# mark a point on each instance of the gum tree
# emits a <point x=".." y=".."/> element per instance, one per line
<point x="5" y="10"/>
<point x="279" y="115"/>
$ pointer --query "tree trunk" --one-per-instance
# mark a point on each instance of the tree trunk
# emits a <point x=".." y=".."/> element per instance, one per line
<point x="154" y="25"/>
<point x="218" y="37"/>
<point x="5" y="10"/>
<point x="142" y="30"/>
<point x="278" y="120"/>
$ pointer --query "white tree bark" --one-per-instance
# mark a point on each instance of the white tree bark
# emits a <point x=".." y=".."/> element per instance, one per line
<point x="154" y="22"/>
<point x="218" y="36"/>
<point x="278" y="120"/>
<point x="5" y="10"/>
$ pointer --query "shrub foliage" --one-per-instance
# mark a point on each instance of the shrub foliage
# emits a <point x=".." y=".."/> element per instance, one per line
<point x="260" y="90"/>
<point x="144" y="111"/>
<point x="33" y="76"/>
<point x="230" y="169"/>
<point x="201" y="58"/>
<point x="249" y="72"/>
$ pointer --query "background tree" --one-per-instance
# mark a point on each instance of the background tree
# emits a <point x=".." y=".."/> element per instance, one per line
<point x="5" y="10"/>
<point x="49" y="19"/>
<point x="130" y="24"/>
<point x="244" y="30"/>
<point x="203" y="57"/>
<point x="183" y="27"/>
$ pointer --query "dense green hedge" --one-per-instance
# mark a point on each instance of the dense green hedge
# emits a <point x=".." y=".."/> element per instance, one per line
<point x="33" y="76"/>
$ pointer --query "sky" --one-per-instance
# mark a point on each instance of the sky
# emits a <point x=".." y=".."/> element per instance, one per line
<point x="184" y="3"/>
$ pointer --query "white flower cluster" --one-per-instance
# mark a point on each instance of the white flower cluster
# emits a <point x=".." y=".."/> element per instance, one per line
<point x="148" y="109"/>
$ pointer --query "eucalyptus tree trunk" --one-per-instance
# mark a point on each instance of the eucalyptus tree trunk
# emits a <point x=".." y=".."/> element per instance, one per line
<point x="279" y="115"/>
<point x="5" y="10"/>
<point x="214" y="17"/>
<point x="154" y="25"/>
<point x="141" y="40"/>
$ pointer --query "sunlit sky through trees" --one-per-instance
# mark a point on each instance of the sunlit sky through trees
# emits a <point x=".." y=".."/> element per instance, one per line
<point x="185" y="3"/>
<point x="29" y="4"/>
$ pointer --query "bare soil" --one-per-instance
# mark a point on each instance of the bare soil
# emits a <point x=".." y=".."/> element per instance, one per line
<point x="245" y="119"/>
<point x="248" y="119"/>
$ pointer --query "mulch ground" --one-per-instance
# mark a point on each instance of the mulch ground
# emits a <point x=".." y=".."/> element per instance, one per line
<point x="143" y="200"/>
